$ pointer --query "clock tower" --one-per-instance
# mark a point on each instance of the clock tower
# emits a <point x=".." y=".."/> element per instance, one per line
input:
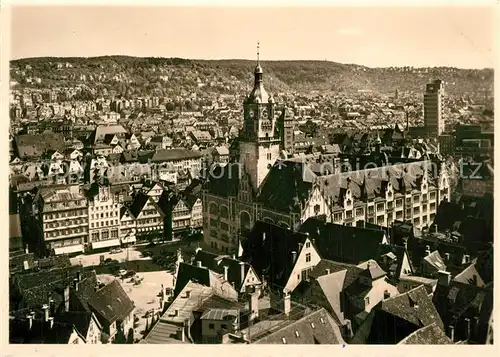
<point x="259" y="142"/>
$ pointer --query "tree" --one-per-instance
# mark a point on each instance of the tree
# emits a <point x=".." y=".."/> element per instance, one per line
<point x="310" y="128"/>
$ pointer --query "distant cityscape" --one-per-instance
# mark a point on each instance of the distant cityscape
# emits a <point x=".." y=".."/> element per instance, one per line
<point x="163" y="201"/>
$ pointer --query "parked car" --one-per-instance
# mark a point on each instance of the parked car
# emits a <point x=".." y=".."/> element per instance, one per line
<point x="115" y="251"/>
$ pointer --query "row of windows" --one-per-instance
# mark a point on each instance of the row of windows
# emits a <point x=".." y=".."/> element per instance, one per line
<point x="104" y="235"/>
<point x="104" y="215"/>
<point x="360" y="211"/>
<point x="103" y="223"/>
<point x="103" y="208"/>
<point x="148" y="221"/>
<point x="65" y="232"/>
<point x="79" y="212"/>
<point x="69" y="222"/>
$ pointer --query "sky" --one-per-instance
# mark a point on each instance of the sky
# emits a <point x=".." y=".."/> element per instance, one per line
<point x="372" y="36"/>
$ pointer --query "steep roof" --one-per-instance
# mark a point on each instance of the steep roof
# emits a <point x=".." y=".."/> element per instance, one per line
<point x="111" y="302"/>
<point x="268" y="250"/>
<point x="427" y="335"/>
<point x="316" y="328"/>
<point x="414" y="306"/>
<point x="343" y="243"/>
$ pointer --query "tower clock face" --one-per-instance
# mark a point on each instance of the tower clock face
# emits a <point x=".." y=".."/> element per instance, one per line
<point x="265" y="114"/>
<point x="251" y="114"/>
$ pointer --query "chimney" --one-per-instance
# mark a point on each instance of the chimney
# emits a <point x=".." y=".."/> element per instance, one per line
<point x="254" y="304"/>
<point x="347" y="329"/>
<point x="444" y="278"/>
<point x="45" y="309"/>
<point x="198" y="263"/>
<point x="446" y="257"/>
<point x="327" y="271"/>
<point x="300" y="247"/>
<point x="313" y="241"/>
<point x="52" y="307"/>
<point x="188" y="294"/>
<point x="30" y="321"/>
<point x="51" y="322"/>
<point x="287" y="303"/>
<point x="436" y="228"/>
<point x="294" y="257"/>
<point x="26" y="250"/>
<point x="452" y="333"/>
<point x="66" y="298"/>
<point x="75" y="284"/>
<point x="226" y="270"/>
<point x="427" y="250"/>
<point x="467" y="328"/>
<point x="181" y="336"/>
<point x="476" y="326"/>
<point x="79" y="275"/>
<point x="242" y="272"/>
<point x="387" y="295"/>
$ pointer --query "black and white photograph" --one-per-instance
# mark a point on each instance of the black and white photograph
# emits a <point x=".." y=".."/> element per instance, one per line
<point x="274" y="175"/>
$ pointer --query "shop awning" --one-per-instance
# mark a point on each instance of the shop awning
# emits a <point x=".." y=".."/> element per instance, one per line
<point x="105" y="243"/>
<point x="69" y="249"/>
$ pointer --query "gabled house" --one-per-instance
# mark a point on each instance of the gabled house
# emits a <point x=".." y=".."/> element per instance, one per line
<point x="281" y="258"/>
<point x="464" y="308"/>
<point x="241" y="275"/>
<point x="343" y="243"/>
<point x="149" y="217"/>
<point x="114" y="310"/>
<point x="203" y="276"/>
<point x="128" y="227"/>
<point x="395" y="318"/>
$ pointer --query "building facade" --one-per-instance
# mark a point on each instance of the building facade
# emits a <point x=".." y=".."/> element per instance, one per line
<point x="104" y="218"/>
<point x="62" y="215"/>
<point x="260" y="184"/>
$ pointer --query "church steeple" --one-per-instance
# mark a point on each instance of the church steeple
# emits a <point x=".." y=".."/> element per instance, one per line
<point x="259" y="94"/>
<point x="258" y="69"/>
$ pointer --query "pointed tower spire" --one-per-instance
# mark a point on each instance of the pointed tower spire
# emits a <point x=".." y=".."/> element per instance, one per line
<point x="258" y="54"/>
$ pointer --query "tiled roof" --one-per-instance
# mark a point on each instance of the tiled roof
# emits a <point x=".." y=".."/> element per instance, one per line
<point x="343" y="243"/>
<point x="427" y="335"/>
<point x="317" y="328"/>
<point x="414" y="306"/>
<point x="220" y="314"/>
<point x="111" y="302"/>
<point x="174" y="155"/>
<point x="268" y="250"/>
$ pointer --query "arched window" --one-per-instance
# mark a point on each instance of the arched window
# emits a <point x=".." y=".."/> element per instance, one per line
<point x="213" y="208"/>
<point x="245" y="221"/>
<point x="224" y="212"/>
<point x="283" y="224"/>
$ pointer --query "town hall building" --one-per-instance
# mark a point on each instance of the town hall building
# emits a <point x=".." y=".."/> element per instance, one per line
<point x="265" y="181"/>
